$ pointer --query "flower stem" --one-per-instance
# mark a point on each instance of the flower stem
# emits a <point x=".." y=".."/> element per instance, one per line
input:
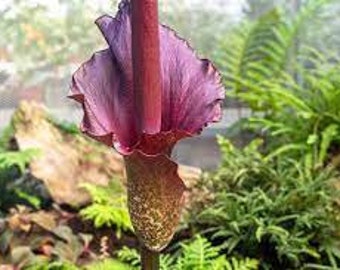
<point x="150" y="259"/>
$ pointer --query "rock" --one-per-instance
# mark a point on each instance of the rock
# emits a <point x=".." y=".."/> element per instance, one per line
<point x="65" y="160"/>
<point x="28" y="237"/>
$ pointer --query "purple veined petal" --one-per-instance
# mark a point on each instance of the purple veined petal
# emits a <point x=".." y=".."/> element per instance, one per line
<point x="191" y="87"/>
<point x="108" y="108"/>
<point x="117" y="33"/>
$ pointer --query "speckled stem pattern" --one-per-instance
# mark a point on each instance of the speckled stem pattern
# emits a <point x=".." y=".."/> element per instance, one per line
<point x="155" y="198"/>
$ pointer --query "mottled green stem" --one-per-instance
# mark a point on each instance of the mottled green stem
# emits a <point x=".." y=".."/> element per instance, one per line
<point x="150" y="259"/>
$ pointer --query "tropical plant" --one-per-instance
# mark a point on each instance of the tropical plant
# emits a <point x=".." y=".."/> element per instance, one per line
<point x="12" y="168"/>
<point x="268" y="205"/>
<point x="109" y="207"/>
<point x="291" y="89"/>
<point x="275" y="210"/>
<point x="261" y="50"/>
<point x="198" y="254"/>
<point x="300" y="119"/>
<point x="108" y="264"/>
<point x="14" y="158"/>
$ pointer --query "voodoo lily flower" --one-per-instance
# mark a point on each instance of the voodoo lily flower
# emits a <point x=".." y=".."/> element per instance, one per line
<point x="191" y="95"/>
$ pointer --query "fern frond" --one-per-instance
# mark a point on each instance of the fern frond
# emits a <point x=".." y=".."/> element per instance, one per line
<point x="261" y="50"/>
<point x="17" y="158"/>
<point x="129" y="256"/>
<point x="246" y="264"/>
<point x="109" y="264"/>
<point x="199" y="254"/>
<point x="109" y="207"/>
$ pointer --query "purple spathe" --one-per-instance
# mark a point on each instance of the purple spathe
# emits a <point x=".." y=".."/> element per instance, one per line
<point x="191" y="87"/>
<point x="191" y="96"/>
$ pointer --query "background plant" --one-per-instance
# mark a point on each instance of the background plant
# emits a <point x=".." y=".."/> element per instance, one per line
<point x="275" y="199"/>
<point x="274" y="210"/>
<point x="108" y="208"/>
<point x="290" y="87"/>
<point x="13" y="166"/>
<point x="197" y="254"/>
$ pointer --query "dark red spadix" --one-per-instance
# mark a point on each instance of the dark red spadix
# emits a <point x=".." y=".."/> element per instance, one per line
<point x="146" y="64"/>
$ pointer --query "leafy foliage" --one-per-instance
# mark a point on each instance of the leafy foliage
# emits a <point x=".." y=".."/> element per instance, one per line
<point x="300" y="119"/>
<point x="277" y="211"/>
<point x="199" y="254"/>
<point x="19" y="159"/>
<point x="12" y="167"/>
<point x="294" y="100"/>
<point x="275" y="199"/>
<point x="108" y="264"/>
<point x="130" y="256"/>
<point x="238" y="61"/>
<point x="260" y="51"/>
<point x="109" y="207"/>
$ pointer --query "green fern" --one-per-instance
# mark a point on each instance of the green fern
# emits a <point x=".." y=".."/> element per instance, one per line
<point x="246" y="264"/>
<point x="108" y="264"/>
<point x="261" y="51"/>
<point x="130" y="256"/>
<point x="199" y="254"/>
<point x="247" y="48"/>
<point x="17" y="158"/>
<point x="12" y="167"/>
<point x="306" y="115"/>
<point x="277" y="202"/>
<point x="109" y="207"/>
<point x="328" y="135"/>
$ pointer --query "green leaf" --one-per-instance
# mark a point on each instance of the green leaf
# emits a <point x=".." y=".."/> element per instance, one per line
<point x="327" y="137"/>
<point x="17" y="158"/>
